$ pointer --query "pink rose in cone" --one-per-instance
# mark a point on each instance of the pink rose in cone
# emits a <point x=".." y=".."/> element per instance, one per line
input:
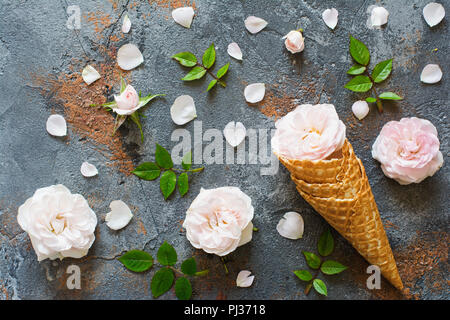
<point x="294" y="41"/>
<point x="127" y="102"/>
<point x="408" y="150"/>
<point x="310" y="132"/>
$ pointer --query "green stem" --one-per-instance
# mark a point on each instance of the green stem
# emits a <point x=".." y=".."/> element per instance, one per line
<point x="224" y="265"/>
<point x="223" y="84"/>
<point x="202" y="273"/>
<point x="310" y="284"/>
<point x="192" y="170"/>
<point x="379" y="104"/>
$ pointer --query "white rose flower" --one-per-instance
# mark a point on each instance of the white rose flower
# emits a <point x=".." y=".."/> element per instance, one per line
<point x="219" y="220"/>
<point x="60" y="224"/>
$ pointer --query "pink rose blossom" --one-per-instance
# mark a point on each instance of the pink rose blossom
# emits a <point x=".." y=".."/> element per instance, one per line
<point x="219" y="220"/>
<point x="408" y="150"/>
<point x="310" y="132"/>
<point x="127" y="102"/>
<point x="294" y="41"/>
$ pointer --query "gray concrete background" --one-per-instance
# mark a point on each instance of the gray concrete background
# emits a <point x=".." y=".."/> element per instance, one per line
<point x="34" y="38"/>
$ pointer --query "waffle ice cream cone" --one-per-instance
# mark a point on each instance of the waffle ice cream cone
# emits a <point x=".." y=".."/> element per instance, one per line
<point x="338" y="189"/>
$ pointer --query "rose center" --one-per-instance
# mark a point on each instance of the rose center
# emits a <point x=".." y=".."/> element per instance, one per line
<point x="58" y="225"/>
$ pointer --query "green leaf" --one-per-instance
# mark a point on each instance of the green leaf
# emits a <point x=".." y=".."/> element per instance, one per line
<point x="194" y="74"/>
<point x="371" y="99"/>
<point x="123" y="85"/>
<point x="211" y="84"/>
<point x="183" y="183"/>
<point x="390" y="96"/>
<point x="311" y="259"/>
<point x="147" y="171"/>
<point x="304" y="275"/>
<point x="326" y="243"/>
<point x="137" y="260"/>
<point x="189" y="267"/>
<point x="209" y="57"/>
<point x="186" y="162"/>
<point x="332" y="267"/>
<point x="356" y="69"/>
<point x="167" y="183"/>
<point x="223" y="71"/>
<point x="186" y="59"/>
<point x="167" y="256"/>
<point x="320" y="287"/>
<point x="163" y="157"/>
<point x="135" y="118"/>
<point x="381" y="71"/>
<point x="359" y="51"/>
<point x="359" y="84"/>
<point x="162" y="282"/>
<point x="183" y="288"/>
<point x="143" y="101"/>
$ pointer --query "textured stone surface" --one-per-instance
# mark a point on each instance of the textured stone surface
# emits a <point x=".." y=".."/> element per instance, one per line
<point x="34" y="38"/>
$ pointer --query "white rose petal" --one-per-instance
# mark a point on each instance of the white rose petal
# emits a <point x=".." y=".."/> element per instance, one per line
<point x="234" y="51"/>
<point x="56" y="125"/>
<point x="330" y="16"/>
<point x="244" y="280"/>
<point x="234" y="133"/>
<point x="246" y="235"/>
<point x="183" y="110"/>
<point x="126" y="24"/>
<point x="255" y="92"/>
<point x="129" y="57"/>
<point x="431" y="74"/>
<point x="291" y="226"/>
<point x="433" y="13"/>
<point x="183" y="16"/>
<point x="119" y="216"/>
<point x="60" y="224"/>
<point x="255" y="24"/>
<point x="360" y="109"/>
<point x="90" y="75"/>
<point x="379" y="16"/>
<point x="88" y="170"/>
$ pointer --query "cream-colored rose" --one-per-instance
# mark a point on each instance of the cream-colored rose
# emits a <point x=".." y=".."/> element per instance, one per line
<point x="310" y="132"/>
<point x="219" y="220"/>
<point x="294" y="41"/>
<point x="60" y="224"/>
<point x="408" y="150"/>
<point x="127" y="102"/>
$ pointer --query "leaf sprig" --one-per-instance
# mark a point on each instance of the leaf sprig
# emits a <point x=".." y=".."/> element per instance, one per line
<point x="164" y="164"/>
<point x="198" y="70"/>
<point x="363" y="80"/>
<point x="325" y="247"/>
<point x="163" y="280"/>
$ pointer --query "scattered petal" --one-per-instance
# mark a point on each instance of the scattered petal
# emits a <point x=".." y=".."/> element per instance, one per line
<point x="291" y="226"/>
<point x="330" y="16"/>
<point x="90" y="75"/>
<point x="234" y="51"/>
<point x="56" y="125"/>
<point x="255" y="24"/>
<point x="360" y="109"/>
<point x="129" y="57"/>
<point x="126" y="24"/>
<point x="183" y="110"/>
<point x="244" y="280"/>
<point x="255" y="92"/>
<point x="433" y="13"/>
<point x="234" y="133"/>
<point x="119" y="216"/>
<point x="431" y="74"/>
<point x="378" y="16"/>
<point x="88" y="170"/>
<point x="183" y="16"/>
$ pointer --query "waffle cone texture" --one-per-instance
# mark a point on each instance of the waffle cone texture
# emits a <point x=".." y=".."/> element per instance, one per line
<point x="338" y="189"/>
